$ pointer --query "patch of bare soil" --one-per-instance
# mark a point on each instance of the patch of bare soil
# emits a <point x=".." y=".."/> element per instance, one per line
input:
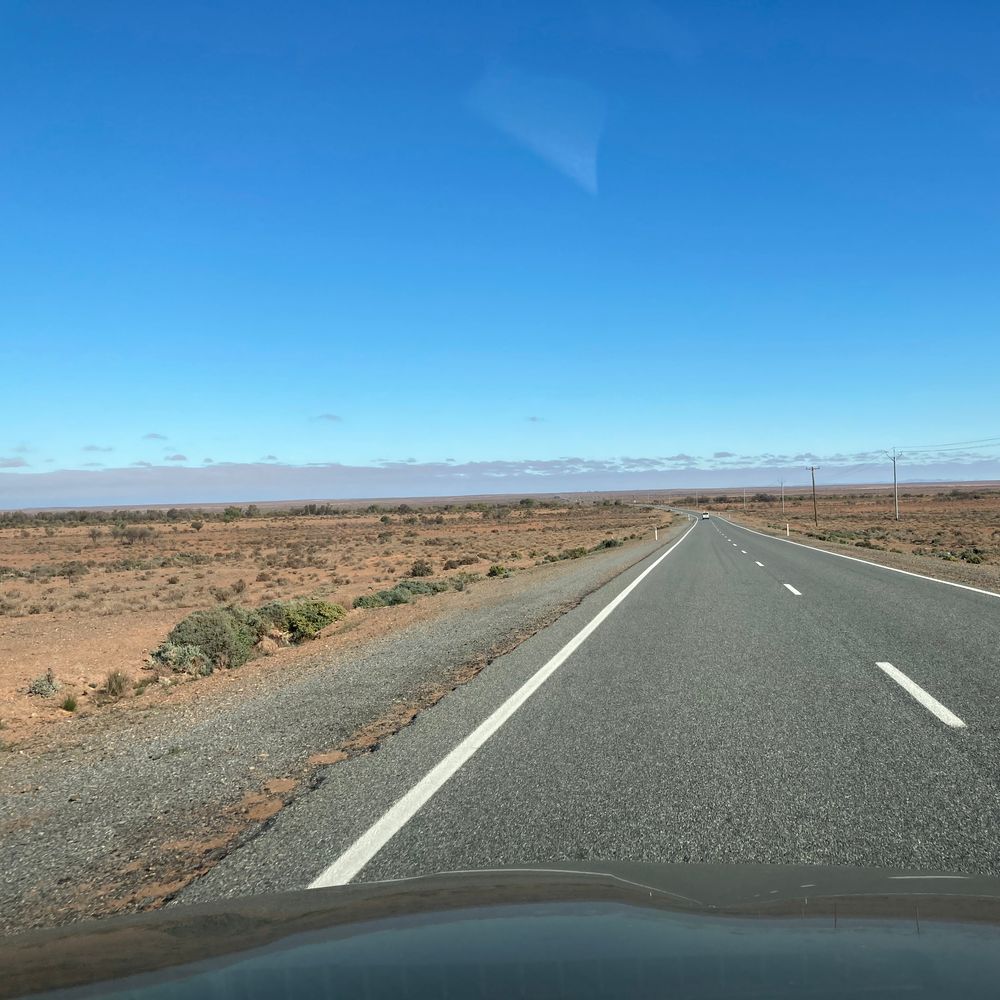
<point x="78" y="601"/>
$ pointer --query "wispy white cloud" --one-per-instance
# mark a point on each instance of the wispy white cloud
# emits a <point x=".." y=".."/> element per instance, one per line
<point x="13" y="462"/>
<point x="333" y="418"/>
<point x="558" y="119"/>
<point x="153" y="436"/>
<point x="97" y="447"/>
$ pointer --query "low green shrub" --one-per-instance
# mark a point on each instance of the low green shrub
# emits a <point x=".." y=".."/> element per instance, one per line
<point x="368" y="601"/>
<point x="398" y="595"/>
<point x="184" y="659"/>
<point x="302" y="618"/>
<point x="420" y="587"/>
<point x="308" y="616"/>
<point x="44" y="686"/>
<point x="226" y="637"/>
<point x="222" y="635"/>
<point x="402" y="593"/>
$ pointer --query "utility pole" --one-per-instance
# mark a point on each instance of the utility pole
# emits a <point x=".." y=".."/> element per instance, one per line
<point x="782" y="482"/>
<point x="812" y="469"/>
<point x="744" y="498"/>
<point x="895" y="490"/>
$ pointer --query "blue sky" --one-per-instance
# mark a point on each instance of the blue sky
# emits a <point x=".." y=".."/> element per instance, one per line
<point x="491" y="236"/>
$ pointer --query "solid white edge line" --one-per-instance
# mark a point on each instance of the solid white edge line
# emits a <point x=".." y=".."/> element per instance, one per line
<point x="384" y="829"/>
<point x="864" y="562"/>
<point x="788" y="586"/>
<point x="929" y="702"/>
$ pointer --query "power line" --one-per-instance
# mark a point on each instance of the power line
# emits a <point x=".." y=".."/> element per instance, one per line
<point x="950" y="444"/>
<point x="838" y="472"/>
<point x="943" y="448"/>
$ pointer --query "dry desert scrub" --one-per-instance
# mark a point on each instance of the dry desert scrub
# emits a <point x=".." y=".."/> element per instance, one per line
<point x="86" y="593"/>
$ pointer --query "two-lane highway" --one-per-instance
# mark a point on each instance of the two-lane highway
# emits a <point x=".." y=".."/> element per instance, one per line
<point x="737" y="699"/>
<point x="942" y="636"/>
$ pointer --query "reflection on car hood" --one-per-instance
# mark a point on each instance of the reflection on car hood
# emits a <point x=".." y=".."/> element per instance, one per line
<point x="569" y="930"/>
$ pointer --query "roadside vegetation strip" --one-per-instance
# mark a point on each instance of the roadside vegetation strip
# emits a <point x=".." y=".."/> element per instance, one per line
<point x="228" y="636"/>
<point x="404" y="591"/>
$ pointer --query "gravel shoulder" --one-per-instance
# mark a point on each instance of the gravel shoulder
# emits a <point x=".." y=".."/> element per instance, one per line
<point x="124" y="816"/>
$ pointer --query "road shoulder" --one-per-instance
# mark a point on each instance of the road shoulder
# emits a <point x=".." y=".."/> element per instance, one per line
<point x="125" y="818"/>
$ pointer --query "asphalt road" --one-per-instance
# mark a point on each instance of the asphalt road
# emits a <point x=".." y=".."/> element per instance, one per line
<point x="730" y="708"/>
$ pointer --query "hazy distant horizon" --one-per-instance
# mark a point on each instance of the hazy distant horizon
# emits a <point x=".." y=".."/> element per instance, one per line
<point x="277" y="483"/>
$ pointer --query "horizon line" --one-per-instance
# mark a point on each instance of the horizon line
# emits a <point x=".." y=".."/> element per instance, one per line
<point x="452" y="498"/>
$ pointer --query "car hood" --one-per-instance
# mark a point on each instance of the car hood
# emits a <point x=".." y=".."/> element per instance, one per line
<point x="774" y="928"/>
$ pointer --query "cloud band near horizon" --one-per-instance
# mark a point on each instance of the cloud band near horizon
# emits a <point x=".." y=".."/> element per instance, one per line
<point x="269" y="481"/>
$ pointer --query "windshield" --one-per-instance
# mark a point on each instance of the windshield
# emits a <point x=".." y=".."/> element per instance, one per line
<point x="455" y="436"/>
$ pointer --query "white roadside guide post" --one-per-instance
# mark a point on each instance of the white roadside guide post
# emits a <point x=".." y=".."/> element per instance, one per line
<point x="656" y="534"/>
<point x="786" y="529"/>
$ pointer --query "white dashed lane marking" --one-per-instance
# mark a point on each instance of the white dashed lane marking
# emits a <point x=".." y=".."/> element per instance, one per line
<point x="930" y="703"/>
